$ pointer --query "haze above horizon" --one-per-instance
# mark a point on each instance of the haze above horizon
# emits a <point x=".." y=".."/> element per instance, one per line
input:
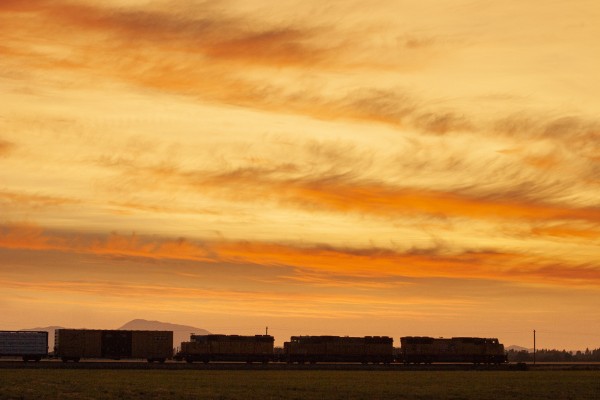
<point x="327" y="168"/>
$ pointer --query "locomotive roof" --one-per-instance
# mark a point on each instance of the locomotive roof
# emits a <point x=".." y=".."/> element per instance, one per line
<point x="429" y="339"/>
<point x="232" y="338"/>
<point x="343" y="339"/>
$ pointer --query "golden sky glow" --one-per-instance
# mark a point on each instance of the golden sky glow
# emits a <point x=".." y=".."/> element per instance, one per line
<point x="339" y="167"/>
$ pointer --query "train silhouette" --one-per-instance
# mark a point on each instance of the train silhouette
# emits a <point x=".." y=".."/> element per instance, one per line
<point x="157" y="346"/>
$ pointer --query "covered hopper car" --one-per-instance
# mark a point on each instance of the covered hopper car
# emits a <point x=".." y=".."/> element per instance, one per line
<point x="206" y="348"/>
<point x="75" y="344"/>
<point x="422" y="349"/>
<point x="313" y="349"/>
<point x="28" y="345"/>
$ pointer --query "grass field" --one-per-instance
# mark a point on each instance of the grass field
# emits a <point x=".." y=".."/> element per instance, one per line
<point x="160" y="384"/>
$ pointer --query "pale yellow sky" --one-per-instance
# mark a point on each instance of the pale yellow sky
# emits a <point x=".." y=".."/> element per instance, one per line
<point x="390" y="167"/>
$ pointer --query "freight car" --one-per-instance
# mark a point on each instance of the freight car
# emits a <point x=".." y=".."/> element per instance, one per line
<point x="75" y="344"/>
<point x="422" y="349"/>
<point x="29" y="345"/>
<point x="206" y="348"/>
<point x="313" y="349"/>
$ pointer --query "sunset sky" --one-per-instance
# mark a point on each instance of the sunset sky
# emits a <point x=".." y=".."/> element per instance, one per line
<point x="388" y="167"/>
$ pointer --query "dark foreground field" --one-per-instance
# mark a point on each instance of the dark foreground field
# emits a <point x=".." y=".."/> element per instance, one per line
<point x="164" y="384"/>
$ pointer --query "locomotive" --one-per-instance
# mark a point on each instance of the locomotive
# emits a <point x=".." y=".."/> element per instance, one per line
<point x="206" y="348"/>
<point x="427" y="350"/>
<point x="313" y="349"/>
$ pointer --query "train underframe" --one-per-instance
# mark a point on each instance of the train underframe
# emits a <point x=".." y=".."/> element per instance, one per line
<point x="207" y="358"/>
<point x="434" y="358"/>
<point x="317" y="358"/>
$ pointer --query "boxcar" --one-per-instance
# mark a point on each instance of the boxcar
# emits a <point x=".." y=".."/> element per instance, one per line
<point x="28" y="345"/>
<point x="206" y="348"/>
<point x="422" y="349"/>
<point x="75" y="344"/>
<point x="313" y="349"/>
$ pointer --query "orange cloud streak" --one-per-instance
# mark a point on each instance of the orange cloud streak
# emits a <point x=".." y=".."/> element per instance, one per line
<point x="343" y="194"/>
<point x="15" y="199"/>
<point x="298" y="304"/>
<point x="180" y="53"/>
<point x="325" y="259"/>
<point x="199" y="53"/>
<point x="5" y="147"/>
<point x="567" y="231"/>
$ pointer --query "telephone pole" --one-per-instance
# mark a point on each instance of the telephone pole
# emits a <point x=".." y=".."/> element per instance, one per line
<point x="534" y="347"/>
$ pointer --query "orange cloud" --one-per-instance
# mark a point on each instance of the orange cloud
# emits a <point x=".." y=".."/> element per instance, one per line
<point x="17" y="199"/>
<point x="201" y="31"/>
<point x="574" y="132"/>
<point x="343" y="193"/>
<point x="182" y="298"/>
<point x="200" y="53"/>
<point x="370" y="262"/>
<point x="5" y="147"/>
<point x="567" y="231"/>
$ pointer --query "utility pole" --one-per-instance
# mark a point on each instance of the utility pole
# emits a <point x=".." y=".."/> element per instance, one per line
<point x="534" y="347"/>
<point x="267" y="330"/>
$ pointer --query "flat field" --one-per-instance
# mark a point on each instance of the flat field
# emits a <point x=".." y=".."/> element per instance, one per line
<point x="164" y="384"/>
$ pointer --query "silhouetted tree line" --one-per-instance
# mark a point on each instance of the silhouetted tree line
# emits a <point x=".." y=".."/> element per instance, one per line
<point x="545" y="355"/>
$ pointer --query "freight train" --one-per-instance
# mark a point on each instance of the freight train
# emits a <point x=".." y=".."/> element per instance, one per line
<point x="76" y="344"/>
<point x="28" y="345"/>
<point x="206" y="348"/>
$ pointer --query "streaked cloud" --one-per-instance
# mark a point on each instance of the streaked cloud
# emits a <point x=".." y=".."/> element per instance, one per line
<point x="5" y="147"/>
<point x="31" y="200"/>
<point x="372" y="262"/>
<point x="346" y="193"/>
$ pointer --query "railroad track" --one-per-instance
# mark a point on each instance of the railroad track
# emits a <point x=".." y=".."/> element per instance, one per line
<point x="224" y="366"/>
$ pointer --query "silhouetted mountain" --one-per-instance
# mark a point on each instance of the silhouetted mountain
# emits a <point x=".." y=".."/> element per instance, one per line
<point x="181" y="333"/>
<point x="50" y="330"/>
<point x="519" y="348"/>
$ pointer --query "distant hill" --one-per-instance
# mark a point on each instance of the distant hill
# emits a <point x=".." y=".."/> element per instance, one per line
<point x="519" y="348"/>
<point x="181" y="333"/>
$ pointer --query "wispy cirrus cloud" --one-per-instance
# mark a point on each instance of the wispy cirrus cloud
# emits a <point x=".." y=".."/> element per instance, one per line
<point x="297" y="304"/>
<point x="566" y="231"/>
<point x="359" y="262"/>
<point x="202" y="30"/>
<point x="345" y="192"/>
<point x="5" y="147"/>
<point x="198" y="54"/>
<point x="33" y="200"/>
<point x="209" y="54"/>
